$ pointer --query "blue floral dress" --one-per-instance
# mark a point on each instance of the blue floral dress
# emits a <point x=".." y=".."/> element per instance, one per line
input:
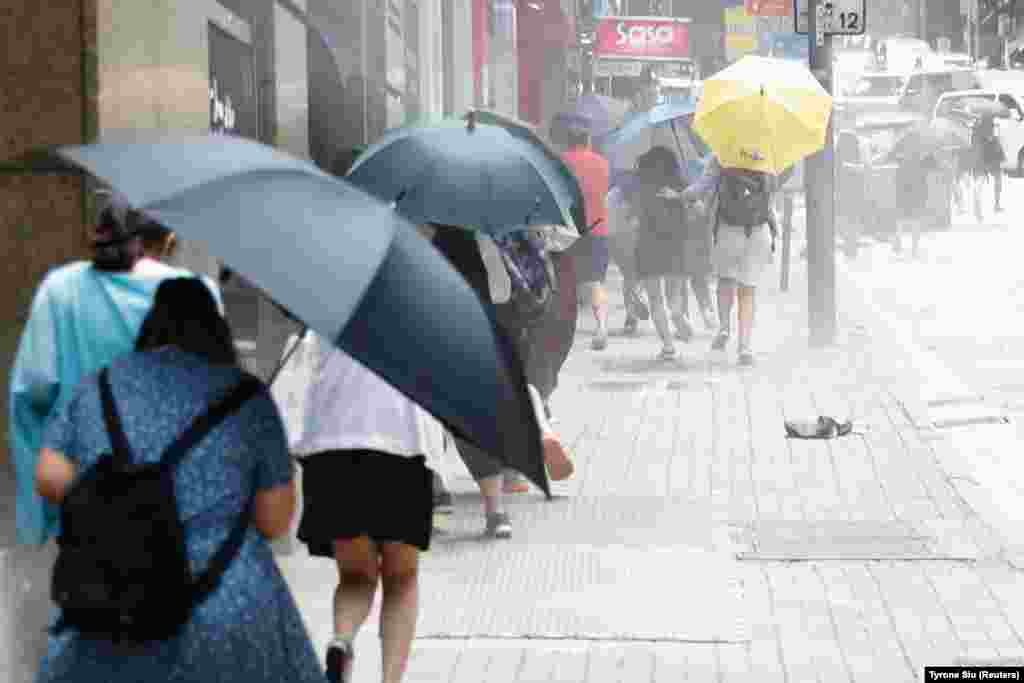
<point x="250" y="628"/>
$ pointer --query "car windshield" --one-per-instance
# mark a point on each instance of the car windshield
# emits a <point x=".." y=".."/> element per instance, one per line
<point x="951" y="105"/>
<point x="878" y="86"/>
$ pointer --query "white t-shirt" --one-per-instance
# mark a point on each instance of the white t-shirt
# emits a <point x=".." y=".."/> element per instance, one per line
<point x="348" y="407"/>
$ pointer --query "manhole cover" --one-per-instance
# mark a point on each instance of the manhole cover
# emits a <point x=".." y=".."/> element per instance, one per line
<point x="972" y="421"/>
<point x="838" y="540"/>
<point x="610" y="385"/>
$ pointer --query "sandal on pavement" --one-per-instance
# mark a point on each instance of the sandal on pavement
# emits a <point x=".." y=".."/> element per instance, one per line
<point x="823" y="428"/>
<point x="559" y="464"/>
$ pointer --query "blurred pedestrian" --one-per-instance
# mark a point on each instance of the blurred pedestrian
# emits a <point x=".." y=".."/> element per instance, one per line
<point x="462" y="249"/>
<point x="367" y="501"/>
<point x="740" y="206"/>
<point x="249" y="628"/>
<point x="660" y="244"/>
<point x="83" y="316"/>
<point x="989" y="154"/>
<point x="593" y="172"/>
<point x="622" y="231"/>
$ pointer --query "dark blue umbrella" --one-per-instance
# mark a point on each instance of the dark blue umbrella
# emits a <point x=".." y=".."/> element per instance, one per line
<point x="344" y="264"/>
<point x="667" y="115"/>
<point x="471" y="175"/>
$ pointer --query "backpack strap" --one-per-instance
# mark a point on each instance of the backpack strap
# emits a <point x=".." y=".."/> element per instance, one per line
<point x="121" y="449"/>
<point x="207" y="582"/>
<point x="204" y="584"/>
<point x="206" y="422"/>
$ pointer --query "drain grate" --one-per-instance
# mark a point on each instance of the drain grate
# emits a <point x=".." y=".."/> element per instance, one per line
<point x="843" y="541"/>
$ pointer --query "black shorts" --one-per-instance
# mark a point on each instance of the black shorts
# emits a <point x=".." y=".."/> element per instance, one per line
<point x="348" y="494"/>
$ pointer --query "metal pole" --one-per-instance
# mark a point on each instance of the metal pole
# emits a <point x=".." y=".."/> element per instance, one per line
<point x="820" y="187"/>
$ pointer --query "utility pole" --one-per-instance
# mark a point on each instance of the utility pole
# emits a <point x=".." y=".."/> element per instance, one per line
<point x="820" y="192"/>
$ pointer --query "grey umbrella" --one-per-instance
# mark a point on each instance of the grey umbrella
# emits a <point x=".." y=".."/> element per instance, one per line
<point x="347" y="266"/>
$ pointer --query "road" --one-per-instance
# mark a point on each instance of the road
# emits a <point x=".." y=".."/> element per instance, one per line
<point x="960" y="307"/>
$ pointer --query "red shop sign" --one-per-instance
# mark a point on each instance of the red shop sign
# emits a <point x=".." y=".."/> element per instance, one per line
<point x="639" y="38"/>
<point x="769" y="8"/>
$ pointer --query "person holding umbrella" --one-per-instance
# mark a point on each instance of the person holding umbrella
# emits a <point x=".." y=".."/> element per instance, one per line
<point x="759" y="117"/>
<point x="660" y="244"/>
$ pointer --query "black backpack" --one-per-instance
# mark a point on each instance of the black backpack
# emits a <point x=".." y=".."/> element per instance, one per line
<point x="534" y="281"/>
<point x="122" y="572"/>
<point x="745" y="198"/>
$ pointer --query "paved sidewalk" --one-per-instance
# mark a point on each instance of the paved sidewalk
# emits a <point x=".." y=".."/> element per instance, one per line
<point x="697" y="543"/>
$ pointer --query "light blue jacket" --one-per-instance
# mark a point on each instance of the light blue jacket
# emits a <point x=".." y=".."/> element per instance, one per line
<point x="81" y="320"/>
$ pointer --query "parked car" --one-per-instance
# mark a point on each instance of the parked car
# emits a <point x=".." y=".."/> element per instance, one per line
<point x="924" y="88"/>
<point x="869" y="93"/>
<point x="1009" y="130"/>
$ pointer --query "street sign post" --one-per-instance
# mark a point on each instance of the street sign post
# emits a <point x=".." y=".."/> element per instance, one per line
<point x="839" y="17"/>
<point x="820" y="191"/>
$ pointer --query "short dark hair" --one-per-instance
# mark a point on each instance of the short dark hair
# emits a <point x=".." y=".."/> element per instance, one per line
<point x="185" y="315"/>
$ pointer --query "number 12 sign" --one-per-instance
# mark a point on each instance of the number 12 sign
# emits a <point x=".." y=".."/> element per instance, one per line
<point x="840" y="17"/>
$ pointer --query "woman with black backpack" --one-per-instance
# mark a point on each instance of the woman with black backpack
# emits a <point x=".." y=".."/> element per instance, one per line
<point x="740" y="204"/>
<point x="235" y="483"/>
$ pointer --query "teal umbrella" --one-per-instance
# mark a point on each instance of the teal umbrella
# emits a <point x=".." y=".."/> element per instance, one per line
<point x="465" y="174"/>
<point x="346" y="266"/>
<point x="525" y="131"/>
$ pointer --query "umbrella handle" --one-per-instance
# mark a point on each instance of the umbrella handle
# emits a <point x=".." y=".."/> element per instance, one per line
<point x="288" y="356"/>
<point x="679" y="145"/>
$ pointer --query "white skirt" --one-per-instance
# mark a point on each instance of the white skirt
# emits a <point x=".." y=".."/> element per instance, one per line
<point x="747" y="260"/>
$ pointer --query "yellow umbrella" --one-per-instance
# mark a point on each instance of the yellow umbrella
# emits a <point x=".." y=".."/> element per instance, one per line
<point x="763" y="114"/>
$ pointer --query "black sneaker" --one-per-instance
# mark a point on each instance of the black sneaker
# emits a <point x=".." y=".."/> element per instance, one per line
<point x="339" y="663"/>
<point x="498" y="526"/>
<point x="720" y="342"/>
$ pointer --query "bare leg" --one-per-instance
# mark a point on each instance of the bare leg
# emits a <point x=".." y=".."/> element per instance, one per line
<point x="726" y="298"/>
<point x="399" y="607"/>
<point x="745" y="297"/>
<point x="490" y="489"/>
<point x="358" y="569"/>
<point x="659" y="312"/>
<point x="599" y="307"/>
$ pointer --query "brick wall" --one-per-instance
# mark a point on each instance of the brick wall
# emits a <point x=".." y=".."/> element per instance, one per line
<point x="48" y="89"/>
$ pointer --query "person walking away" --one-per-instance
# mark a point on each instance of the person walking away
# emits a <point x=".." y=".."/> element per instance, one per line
<point x="592" y="172"/>
<point x="248" y="629"/>
<point x="530" y="273"/>
<point x="361" y="450"/>
<point x="462" y="249"/>
<point x="622" y="229"/>
<point x="990" y="157"/>
<point x="660" y="247"/>
<point x="83" y="316"/>
<point x="744" y="228"/>
<point x="465" y="251"/>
